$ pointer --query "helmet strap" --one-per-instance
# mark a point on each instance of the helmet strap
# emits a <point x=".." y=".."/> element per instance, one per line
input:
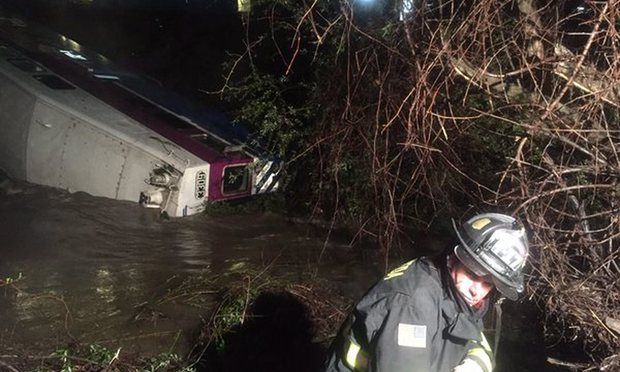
<point x="498" y="324"/>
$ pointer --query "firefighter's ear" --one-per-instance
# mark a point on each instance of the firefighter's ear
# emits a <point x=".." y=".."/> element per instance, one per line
<point x="451" y="261"/>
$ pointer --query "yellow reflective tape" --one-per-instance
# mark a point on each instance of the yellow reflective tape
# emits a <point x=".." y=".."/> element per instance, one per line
<point x="352" y="352"/>
<point x="469" y="365"/>
<point x="399" y="270"/>
<point x="480" y="356"/>
<point x="485" y="345"/>
<point x="479" y="224"/>
<point x="244" y="6"/>
<point x="355" y="357"/>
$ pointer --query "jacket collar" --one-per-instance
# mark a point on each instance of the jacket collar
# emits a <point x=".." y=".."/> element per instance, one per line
<point x="464" y="321"/>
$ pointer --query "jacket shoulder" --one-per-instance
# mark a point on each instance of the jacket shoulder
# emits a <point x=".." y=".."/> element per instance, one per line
<point x="417" y="278"/>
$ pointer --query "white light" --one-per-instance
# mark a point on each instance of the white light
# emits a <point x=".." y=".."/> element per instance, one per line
<point x="367" y="4"/>
<point x="407" y="7"/>
<point x="73" y="55"/>
<point x="73" y="45"/>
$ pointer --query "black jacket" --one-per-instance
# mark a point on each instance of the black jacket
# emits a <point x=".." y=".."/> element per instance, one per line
<point x="412" y="320"/>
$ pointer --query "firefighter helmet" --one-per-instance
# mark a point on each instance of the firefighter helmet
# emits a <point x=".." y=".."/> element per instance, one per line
<point x="495" y="244"/>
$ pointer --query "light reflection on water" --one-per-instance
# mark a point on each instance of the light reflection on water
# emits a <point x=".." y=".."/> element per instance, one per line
<point x="94" y="268"/>
<point x="104" y="286"/>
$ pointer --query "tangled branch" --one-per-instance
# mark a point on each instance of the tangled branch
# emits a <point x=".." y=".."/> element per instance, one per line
<point x="436" y="108"/>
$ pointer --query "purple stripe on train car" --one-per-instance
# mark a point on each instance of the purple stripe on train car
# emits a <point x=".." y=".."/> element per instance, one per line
<point x="138" y="109"/>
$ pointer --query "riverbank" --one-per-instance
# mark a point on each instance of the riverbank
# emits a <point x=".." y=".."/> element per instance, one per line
<point x="251" y="320"/>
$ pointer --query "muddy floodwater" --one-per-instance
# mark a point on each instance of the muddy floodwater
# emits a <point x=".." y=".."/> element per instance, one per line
<point x="95" y="270"/>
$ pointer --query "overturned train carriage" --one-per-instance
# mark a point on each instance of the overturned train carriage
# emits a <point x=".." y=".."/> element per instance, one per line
<point x="69" y="119"/>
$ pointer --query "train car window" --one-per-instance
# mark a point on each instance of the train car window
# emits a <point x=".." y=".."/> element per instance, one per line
<point x="236" y="179"/>
<point x="26" y="65"/>
<point x="54" y="82"/>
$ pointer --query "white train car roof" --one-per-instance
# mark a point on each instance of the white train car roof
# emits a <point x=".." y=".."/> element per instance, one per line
<point x="48" y="87"/>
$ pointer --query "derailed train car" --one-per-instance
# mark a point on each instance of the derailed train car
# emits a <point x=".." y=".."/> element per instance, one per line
<point x="70" y="119"/>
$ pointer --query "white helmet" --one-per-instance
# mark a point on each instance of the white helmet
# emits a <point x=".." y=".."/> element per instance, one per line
<point x="495" y="244"/>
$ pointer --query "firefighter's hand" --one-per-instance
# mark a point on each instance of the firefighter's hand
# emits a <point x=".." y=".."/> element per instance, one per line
<point x="468" y="365"/>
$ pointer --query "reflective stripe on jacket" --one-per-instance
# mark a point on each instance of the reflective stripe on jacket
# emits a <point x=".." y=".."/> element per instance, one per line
<point x="410" y="321"/>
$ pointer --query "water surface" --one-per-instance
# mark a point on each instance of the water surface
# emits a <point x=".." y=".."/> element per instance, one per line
<point x="96" y="270"/>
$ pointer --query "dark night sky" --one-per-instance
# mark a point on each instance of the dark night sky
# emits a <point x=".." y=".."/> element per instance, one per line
<point x="214" y="5"/>
<point x="180" y="43"/>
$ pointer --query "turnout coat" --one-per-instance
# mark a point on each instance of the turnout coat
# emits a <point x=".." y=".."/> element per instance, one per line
<point x="412" y="320"/>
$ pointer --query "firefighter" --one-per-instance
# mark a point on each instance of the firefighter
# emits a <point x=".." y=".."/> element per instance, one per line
<point x="426" y="315"/>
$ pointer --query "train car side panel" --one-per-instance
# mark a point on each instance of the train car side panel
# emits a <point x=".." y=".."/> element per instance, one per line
<point x="15" y="115"/>
<point x="46" y="144"/>
<point x="135" y="173"/>
<point x="92" y="160"/>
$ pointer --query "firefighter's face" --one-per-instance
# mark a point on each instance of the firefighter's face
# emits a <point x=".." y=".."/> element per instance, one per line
<point x="474" y="288"/>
